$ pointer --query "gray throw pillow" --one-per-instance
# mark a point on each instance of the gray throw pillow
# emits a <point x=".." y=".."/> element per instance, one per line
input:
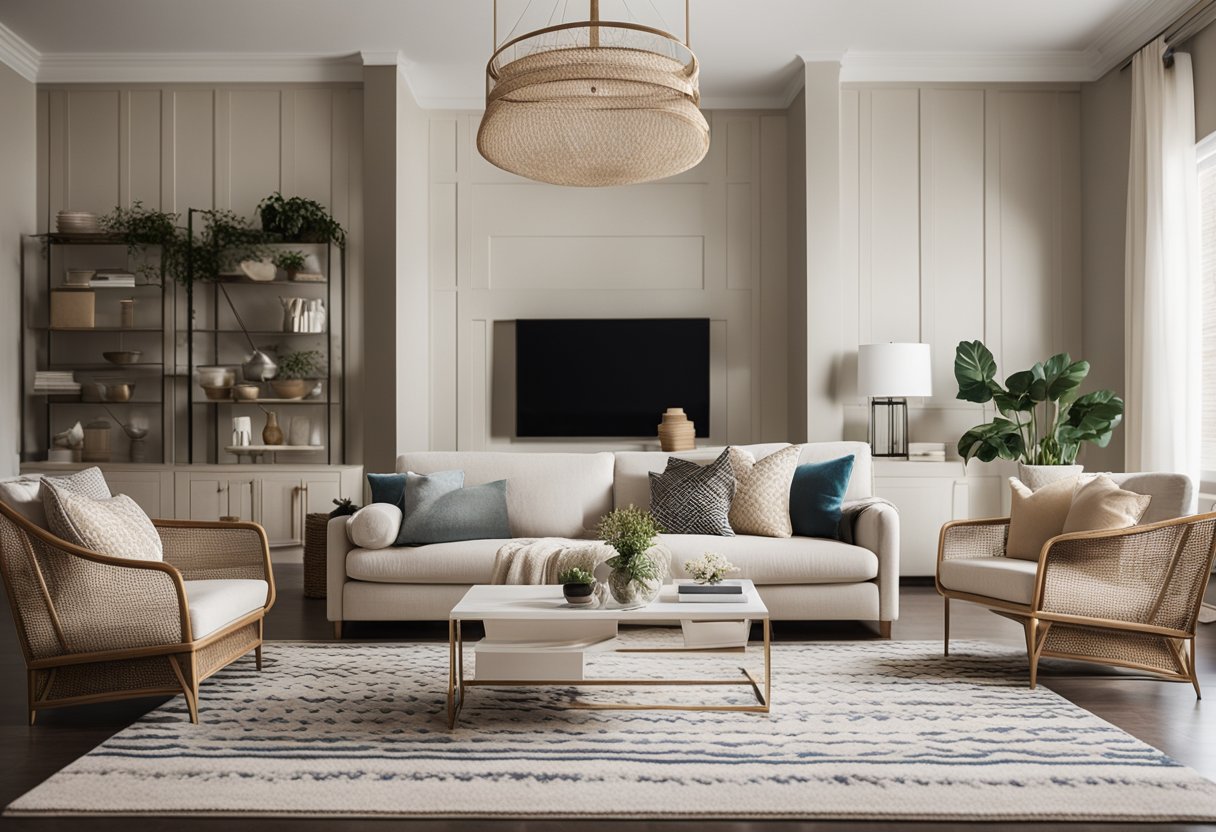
<point x="438" y="509"/>
<point x="688" y="498"/>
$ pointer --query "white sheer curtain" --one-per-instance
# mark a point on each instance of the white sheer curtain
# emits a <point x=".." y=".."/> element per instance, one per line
<point x="1162" y="301"/>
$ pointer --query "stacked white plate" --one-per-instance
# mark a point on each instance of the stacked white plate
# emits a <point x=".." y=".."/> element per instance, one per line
<point x="77" y="222"/>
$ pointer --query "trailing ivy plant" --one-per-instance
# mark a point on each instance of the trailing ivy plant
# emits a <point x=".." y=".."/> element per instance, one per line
<point x="1043" y="418"/>
<point x="143" y="228"/>
<point x="226" y="239"/>
<point x="299" y="220"/>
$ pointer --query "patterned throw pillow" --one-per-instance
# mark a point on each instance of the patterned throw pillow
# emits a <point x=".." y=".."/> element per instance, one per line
<point x="24" y="495"/>
<point x="688" y="498"/>
<point x="116" y="526"/>
<point x="762" y="492"/>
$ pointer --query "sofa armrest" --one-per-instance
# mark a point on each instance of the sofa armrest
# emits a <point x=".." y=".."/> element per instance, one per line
<point x="876" y="527"/>
<point x="337" y="545"/>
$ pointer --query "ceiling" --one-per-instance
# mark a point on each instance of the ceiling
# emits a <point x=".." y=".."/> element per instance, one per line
<point x="749" y="49"/>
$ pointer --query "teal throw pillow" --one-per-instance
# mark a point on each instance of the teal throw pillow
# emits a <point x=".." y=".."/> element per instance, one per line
<point x="386" y="488"/>
<point x="816" y="495"/>
<point x="439" y="510"/>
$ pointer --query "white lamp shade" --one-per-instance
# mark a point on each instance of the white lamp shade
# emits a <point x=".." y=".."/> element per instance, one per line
<point x="894" y="370"/>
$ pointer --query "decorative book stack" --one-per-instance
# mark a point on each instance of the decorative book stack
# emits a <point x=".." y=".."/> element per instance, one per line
<point x="725" y="592"/>
<point x="927" y="451"/>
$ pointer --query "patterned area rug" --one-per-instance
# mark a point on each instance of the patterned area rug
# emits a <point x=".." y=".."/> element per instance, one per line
<point x="887" y="730"/>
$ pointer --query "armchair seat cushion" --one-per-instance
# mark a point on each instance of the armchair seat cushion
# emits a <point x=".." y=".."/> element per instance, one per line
<point x="216" y="603"/>
<point x="1005" y="579"/>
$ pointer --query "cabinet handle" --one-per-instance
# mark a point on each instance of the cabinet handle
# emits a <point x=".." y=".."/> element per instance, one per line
<point x="295" y="513"/>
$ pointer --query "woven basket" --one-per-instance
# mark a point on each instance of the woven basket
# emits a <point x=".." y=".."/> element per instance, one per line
<point x="315" y="541"/>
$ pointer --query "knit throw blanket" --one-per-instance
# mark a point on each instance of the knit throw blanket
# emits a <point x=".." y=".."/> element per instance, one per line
<point x="541" y="561"/>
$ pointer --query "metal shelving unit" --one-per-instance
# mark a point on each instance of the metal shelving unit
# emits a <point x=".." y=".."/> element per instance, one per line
<point x="60" y="348"/>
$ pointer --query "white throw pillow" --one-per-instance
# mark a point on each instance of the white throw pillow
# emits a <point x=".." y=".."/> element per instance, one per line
<point x="374" y="526"/>
<point x="116" y="526"/>
<point x="24" y="494"/>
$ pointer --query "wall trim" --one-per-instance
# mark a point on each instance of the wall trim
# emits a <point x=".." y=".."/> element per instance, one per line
<point x="18" y="55"/>
<point x="210" y="67"/>
<point x="985" y="67"/>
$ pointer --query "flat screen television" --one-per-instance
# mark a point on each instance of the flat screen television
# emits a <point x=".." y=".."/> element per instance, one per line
<point x="609" y="377"/>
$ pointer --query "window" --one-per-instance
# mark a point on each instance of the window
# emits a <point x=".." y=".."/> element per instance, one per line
<point x="1207" y="237"/>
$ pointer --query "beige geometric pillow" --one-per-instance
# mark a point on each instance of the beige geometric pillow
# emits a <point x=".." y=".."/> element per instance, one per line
<point x="1101" y="504"/>
<point x="1036" y="516"/>
<point x="24" y="495"/>
<point x="762" y="494"/>
<point x="116" y="526"/>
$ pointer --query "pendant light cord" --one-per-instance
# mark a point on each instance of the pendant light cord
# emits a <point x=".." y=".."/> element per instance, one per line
<point x="237" y="315"/>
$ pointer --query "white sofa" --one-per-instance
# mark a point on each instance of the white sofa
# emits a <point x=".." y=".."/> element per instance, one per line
<point x="565" y="494"/>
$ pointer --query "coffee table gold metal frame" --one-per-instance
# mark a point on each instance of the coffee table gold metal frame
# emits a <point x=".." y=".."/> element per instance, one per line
<point x="458" y="685"/>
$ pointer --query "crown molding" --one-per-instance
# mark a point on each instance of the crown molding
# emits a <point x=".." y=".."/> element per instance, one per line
<point x="990" y="67"/>
<point x="180" y="68"/>
<point x="1129" y="29"/>
<point x="18" y="55"/>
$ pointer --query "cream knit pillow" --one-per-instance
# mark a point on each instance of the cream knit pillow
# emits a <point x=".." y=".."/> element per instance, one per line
<point x="1037" y="516"/>
<point x="116" y="526"/>
<point x="761" y="505"/>
<point x="1101" y="504"/>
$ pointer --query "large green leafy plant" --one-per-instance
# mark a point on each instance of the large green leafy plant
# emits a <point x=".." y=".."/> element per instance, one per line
<point x="1044" y="419"/>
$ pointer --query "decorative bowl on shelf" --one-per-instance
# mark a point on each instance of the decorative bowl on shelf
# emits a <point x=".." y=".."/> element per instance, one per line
<point x="123" y="356"/>
<point x="292" y="388"/>
<point x="245" y="392"/>
<point x="216" y="376"/>
<point x="78" y="277"/>
<point x="116" y="391"/>
<point x="259" y="271"/>
<point x="217" y="393"/>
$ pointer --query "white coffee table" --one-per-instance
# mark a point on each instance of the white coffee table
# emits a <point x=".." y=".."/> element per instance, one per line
<point x="533" y="638"/>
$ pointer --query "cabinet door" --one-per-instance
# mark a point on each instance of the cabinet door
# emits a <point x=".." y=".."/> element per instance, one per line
<point x="320" y="493"/>
<point x="240" y="497"/>
<point x="925" y="505"/>
<point x="144" y="487"/>
<point x="205" y="498"/>
<point x="280" y="508"/>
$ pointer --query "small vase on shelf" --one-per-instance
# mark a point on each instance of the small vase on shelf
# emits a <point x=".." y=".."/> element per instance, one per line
<point x="272" y="434"/>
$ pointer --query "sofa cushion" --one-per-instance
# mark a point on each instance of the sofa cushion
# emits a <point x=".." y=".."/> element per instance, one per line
<point x="459" y="562"/>
<point x="1037" y="516"/>
<point x="688" y="498"/>
<point x="777" y="560"/>
<point x="24" y="494"/>
<point x="1099" y="504"/>
<point x="762" y="492"/>
<point x="1007" y="579"/>
<point x="116" y="526"/>
<point x="1173" y="494"/>
<point x="631" y="483"/>
<point x="548" y="495"/>
<point x="817" y="497"/>
<point x="216" y="603"/>
<point x="439" y="509"/>
<point x="374" y="526"/>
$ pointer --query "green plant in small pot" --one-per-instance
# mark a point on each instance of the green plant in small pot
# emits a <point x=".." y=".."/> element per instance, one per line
<point x="299" y="220"/>
<point x="297" y="374"/>
<point x="291" y="262"/>
<point x="578" y="586"/>
<point x="1044" y="419"/>
<point x="639" y="566"/>
<point x="345" y="508"/>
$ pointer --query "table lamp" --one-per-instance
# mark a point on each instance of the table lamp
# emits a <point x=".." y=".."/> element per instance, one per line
<point x="888" y="374"/>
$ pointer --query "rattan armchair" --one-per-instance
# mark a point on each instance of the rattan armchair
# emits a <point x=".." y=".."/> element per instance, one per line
<point x="95" y="628"/>
<point x="1128" y="598"/>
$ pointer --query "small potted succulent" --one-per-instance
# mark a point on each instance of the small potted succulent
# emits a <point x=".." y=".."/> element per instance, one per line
<point x="578" y="586"/>
<point x="638" y="568"/>
<point x="297" y="374"/>
<point x="291" y="262"/>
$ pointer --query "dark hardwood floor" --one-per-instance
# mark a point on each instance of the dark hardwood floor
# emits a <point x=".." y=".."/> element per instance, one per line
<point x="1162" y="714"/>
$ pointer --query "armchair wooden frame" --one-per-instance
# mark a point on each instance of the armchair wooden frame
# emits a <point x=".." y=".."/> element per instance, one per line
<point x="96" y="628"/>
<point x="1126" y="598"/>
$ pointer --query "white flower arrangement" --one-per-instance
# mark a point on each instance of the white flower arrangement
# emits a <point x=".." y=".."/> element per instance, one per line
<point x="710" y="568"/>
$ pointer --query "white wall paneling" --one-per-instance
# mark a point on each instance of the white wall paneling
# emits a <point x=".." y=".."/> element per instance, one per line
<point x="710" y="242"/>
<point x="960" y="212"/>
<point x="176" y="147"/>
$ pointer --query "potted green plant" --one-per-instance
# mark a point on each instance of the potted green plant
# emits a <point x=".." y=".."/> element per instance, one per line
<point x="638" y="568"/>
<point x="578" y="586"/>
<point x="145" y="228"/>
<point x="1044" y="420"/>
<point x="345" y="507"/>
<point x="291" y="262"/>
<point x="710" y="568"/>
<point x="297" y="373"/>
<point x="299" y="220"/>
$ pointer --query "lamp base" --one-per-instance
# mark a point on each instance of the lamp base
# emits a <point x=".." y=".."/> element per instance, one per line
<point x="889" y="430"/>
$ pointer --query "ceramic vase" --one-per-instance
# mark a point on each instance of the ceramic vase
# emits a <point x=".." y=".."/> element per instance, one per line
<point x="676" y="431"/>
<point x="272" y="434"/>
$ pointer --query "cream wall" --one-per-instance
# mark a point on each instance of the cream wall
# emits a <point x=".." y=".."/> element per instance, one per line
<point x="710" y="242"/>
<point x="960" y="220"/>
<point x="175" y="147"/>
<point x="18" y="163"/>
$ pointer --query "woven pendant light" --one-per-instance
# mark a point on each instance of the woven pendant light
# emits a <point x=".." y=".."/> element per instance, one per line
<point x="593" y="103"/>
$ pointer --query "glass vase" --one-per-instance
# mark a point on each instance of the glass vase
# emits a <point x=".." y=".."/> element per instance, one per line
<point x="631" y="593"/>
